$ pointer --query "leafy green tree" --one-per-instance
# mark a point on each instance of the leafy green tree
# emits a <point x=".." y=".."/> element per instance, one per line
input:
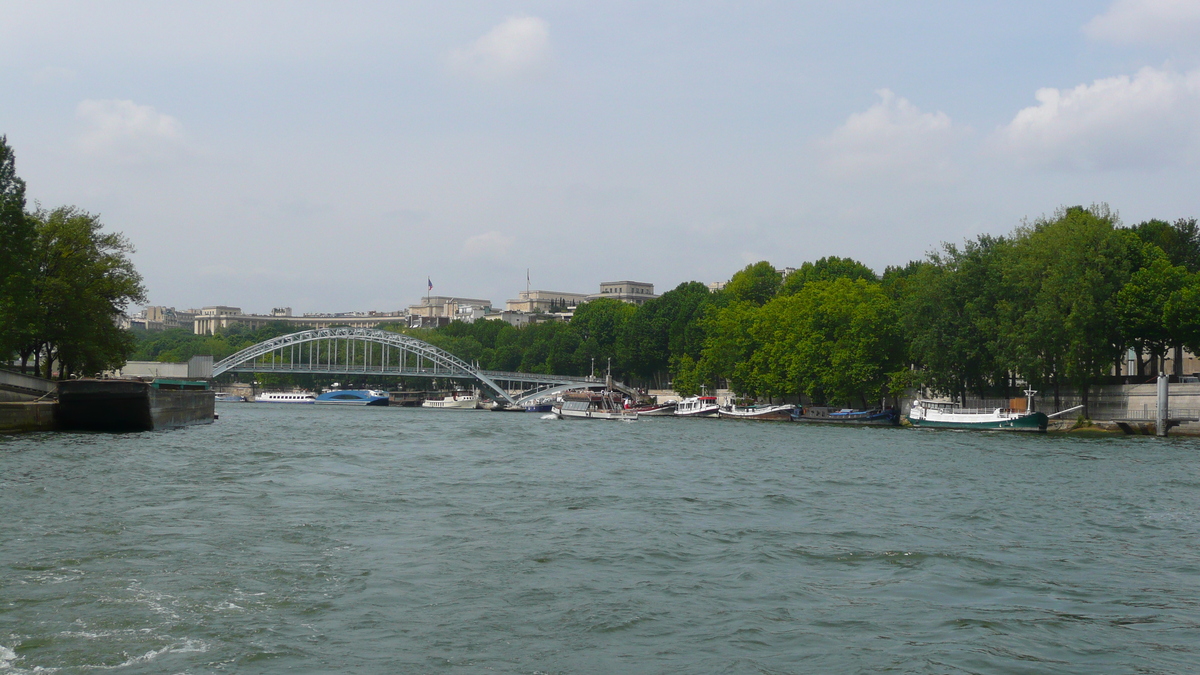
<point x="826" y="269"/>
<point x="1180" y="240"/>
<point x="17" y="237"/>
<point x="835" y="341"/>
<point x="83" y="281"/>
<point x="1141" y="309"/>
<point x="598" y="325"/>
<point x="1182" y="314"/>
<point x="756" y="283"/>
<point x="948" y="310"/>
<point x="664" y="328"/>
<point x="1064" y="273"/>
<point x="728" y="347"/>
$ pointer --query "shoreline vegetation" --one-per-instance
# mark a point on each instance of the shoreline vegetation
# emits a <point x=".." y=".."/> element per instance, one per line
<point x="1056" y="305"/>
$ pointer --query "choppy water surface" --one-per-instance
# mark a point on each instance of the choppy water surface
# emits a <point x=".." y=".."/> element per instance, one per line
<point x="306" y="539"/>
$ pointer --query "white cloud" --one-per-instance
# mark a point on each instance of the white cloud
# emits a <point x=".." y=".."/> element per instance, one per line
<point x="1149" y="120"/>
<point x="893" y="137"/>
<point x="489" y="245"/>
<point x="1147" y="21"/>
<point x="518" y="45"/>
<point x="128" y="132"/>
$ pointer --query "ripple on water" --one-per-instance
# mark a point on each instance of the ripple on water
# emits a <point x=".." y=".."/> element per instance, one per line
<point x="400" y="541"/>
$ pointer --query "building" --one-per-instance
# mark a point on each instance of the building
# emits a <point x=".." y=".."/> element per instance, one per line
<point x="634" y="292"/>
<point x="441" y="305"/>
<point x="212" y="319"/>
<point x="545" y="302"/>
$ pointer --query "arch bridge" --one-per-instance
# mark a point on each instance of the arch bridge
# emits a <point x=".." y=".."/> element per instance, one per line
<point x="369" y="351"/>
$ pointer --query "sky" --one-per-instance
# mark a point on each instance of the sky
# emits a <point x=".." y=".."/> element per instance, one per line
<point x="337" y="156"/>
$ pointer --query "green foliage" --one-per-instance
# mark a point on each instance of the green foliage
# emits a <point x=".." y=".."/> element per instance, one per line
<point x="826" y="269"/>
<point x="1141" y="306"/>
<point x="1180" y="241"/>
<point x="17" y="237"/>
<point x="756" y="284"/>
<point x="82" y="282"/>
<point x="1063" y="275"/>
<point x="834" y="341"/>
<point x="948" y="309"/>
<point x="663" y="328"/>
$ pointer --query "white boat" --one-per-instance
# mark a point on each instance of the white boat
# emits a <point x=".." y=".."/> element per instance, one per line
<point x="946" y="415"/>
<point x="697" y="406"/>
<point x="457" y="400"/>
<point x="757" y="412"/>
<point x="285" y="397"/>
<point x="590" y="405"/>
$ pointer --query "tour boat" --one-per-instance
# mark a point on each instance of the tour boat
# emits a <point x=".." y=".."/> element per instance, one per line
<point x="222" y="397"/>
<point x="821" y="414"/>
<point x="697" y="406"/>
<point x="285" y="397"/>
<point x="945" y="415"/>
<point x="541" y="405"/>
<point x="757" y="412"/>
<point x="589" y="405"/>
<point x="353" y="397"/>
<point x="457" y="400"/>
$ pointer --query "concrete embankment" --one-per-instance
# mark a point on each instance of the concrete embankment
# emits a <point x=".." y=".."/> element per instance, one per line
<point x="101" y="405"/>
<point x="27" y="416"/>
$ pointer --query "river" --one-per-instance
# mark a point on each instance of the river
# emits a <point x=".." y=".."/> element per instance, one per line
<point x="305" y="539"/>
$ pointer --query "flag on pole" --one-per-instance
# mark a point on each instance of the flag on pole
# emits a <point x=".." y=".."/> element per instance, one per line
<point x="430" y="282"/>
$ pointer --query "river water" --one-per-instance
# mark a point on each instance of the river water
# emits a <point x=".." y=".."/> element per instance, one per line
<point x="304" y="539"/>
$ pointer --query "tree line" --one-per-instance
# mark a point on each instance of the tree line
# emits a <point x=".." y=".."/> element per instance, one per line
<point x="1059" y="302"/>
<point x="64" y="284"/>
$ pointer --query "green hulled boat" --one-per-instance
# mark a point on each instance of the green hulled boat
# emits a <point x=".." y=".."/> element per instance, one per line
<point x="945" y="415"/>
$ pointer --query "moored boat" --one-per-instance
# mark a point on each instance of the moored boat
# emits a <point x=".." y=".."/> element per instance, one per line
<point x="285" y="397"/>
<point x="590" y="405"/>
<point x="456" y="400"/>
<point x="656" y="409"/>
<point x="946" y="415"/>
<point x="757" y="412"/>
<point x="822" y="414"/>
<point x="353" y="397"/>
<point x="697" y="406"/>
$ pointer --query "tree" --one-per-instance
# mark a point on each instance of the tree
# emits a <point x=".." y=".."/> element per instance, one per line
<point x="948" y="312"/>
<point x="826" y="269"/>
<point x="1180" y="240"/>
<point x="598" y="325"/>
<point x="835" y="341"/>
<point x="756" y="283"/>
<point x="1141" y="310"/>
<point x="1063" y="274"/>
<point x="83" y="281"/>
<point x="16" y="256"/>
<point x="664" y="328"/>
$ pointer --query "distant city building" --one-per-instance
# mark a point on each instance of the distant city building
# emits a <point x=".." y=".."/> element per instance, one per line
<point x="441" y="305"/>
<point x="635" y="292"/>
<point x="157" y="317"/>
<point x="212" y="319"/>
<point x="545" y="302"/>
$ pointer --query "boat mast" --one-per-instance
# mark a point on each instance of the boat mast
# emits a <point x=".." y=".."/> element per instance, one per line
<point x="1029" y="394"/>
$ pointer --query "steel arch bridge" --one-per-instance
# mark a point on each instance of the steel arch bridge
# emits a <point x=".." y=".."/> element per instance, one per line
<point x="369" y="351"/>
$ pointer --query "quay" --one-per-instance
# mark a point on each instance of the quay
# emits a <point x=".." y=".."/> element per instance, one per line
<point x="33" y="404"/>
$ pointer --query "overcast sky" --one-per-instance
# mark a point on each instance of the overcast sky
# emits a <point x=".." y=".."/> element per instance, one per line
<point x="332" y="156"/>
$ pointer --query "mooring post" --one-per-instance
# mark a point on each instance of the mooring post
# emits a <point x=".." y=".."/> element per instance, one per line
<point x="1161" y="417"/>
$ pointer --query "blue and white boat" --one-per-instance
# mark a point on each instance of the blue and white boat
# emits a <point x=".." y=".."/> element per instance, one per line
<point x="353" y="397"/>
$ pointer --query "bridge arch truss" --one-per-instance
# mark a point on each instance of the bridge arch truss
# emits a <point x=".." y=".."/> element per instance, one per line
<point x="370" y="351"/>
